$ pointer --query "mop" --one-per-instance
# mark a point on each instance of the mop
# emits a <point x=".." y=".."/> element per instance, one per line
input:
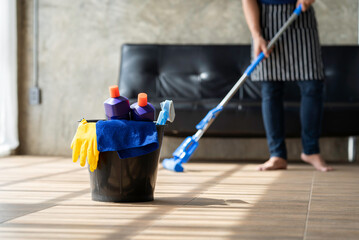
<point x="183" y="153"/>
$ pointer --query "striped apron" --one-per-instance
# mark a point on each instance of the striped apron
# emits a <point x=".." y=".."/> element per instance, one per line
<point x="297" y="54"/>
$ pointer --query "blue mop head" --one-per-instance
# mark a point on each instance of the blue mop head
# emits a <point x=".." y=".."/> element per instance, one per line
<point x="172" y="165"/>
<point x="181" y="155"/>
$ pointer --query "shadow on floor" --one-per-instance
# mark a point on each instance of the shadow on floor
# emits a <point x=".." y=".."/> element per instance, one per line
<point x="196" y="201"/>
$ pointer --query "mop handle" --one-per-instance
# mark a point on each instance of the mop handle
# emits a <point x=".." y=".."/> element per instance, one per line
<point x="209" y="118"/>
<point x="271" y="44"/>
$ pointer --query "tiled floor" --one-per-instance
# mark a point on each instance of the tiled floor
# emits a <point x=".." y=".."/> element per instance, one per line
<point x="49" y="198"/>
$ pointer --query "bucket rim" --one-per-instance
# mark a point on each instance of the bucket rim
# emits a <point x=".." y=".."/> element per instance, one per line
<point x="96" y="120"/>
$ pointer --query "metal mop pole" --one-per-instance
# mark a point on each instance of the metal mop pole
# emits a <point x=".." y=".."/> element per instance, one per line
<point x="190" y="144"/>
<point x="246" y="74"/>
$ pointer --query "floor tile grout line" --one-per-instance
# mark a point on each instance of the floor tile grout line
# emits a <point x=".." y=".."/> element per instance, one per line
<point x="6" y="184"/>
<point x="308" y="210"/>
<point x="23" y="215"/>
<point x="48" y="204"/>
<point x="32" y="164"/>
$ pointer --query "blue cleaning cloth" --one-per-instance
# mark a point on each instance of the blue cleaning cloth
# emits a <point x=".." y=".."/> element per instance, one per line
<point x="128" y="138"/>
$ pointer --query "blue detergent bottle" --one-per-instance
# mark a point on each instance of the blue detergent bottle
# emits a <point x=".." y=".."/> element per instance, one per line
<point x="117" y="107"/>
<point x="142" y="110"/>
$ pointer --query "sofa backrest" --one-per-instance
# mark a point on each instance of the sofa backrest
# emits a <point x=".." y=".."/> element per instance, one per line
<point x="200" y="72"/>
<point x="341" y="65"/>
<point x="183" y="72"/>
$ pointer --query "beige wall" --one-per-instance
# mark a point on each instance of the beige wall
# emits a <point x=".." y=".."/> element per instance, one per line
<point x="79" y="54"/>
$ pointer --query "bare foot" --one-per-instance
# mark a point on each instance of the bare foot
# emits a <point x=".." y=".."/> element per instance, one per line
<point x="317" y="161"/>
<point x="274" y="163"/>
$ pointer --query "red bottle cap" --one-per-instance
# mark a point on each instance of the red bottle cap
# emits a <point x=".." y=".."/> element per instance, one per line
<point x="114" y="92"/>
<point x="142" y="99"/>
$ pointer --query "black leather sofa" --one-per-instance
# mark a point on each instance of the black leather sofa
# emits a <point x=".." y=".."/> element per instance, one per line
<point x="197" y="77"/>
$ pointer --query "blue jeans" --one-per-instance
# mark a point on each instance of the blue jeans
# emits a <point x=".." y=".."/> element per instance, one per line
<point x="311" y="110"/>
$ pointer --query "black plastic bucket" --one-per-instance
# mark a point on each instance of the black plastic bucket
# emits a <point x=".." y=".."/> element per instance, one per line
<point x="126" y="180"/>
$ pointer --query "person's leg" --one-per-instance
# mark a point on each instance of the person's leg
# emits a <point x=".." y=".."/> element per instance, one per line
<point x="273" y="118"/>
<point x="311" y="111"/>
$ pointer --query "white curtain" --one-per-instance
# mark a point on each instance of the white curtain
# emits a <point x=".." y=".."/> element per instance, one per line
<point x="9" y="139"/>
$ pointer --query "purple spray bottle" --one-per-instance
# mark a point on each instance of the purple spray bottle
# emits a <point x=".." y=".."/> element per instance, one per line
<point x="142" y="110"/>
<point x="117" y="107"/>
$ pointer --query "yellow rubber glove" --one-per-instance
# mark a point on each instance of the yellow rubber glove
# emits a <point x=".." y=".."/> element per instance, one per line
<point x="85" y="144"/>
